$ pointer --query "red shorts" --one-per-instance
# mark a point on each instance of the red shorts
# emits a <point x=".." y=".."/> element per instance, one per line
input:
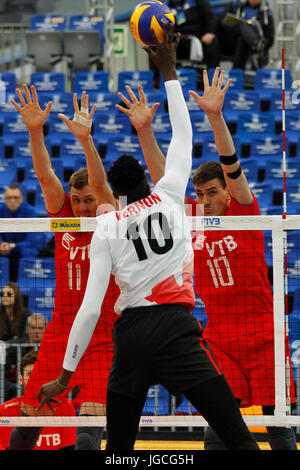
<point x="90" y="376"/>
<point x="248" y="366"/>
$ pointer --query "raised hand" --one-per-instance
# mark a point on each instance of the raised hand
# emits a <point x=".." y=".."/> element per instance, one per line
<point x="164" y="55"/>
<point x="212" y="99"/>
<point x="140" y="115"/>
<point x="33" y="116"/>
<point x="81" y="124"/>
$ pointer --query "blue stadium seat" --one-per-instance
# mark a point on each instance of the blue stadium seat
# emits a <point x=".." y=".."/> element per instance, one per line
<point x="47" y="23"/>
<point x="41" y="300"/>
<point x="123" y="144"/>
<point x="48" y="82"/>
<point x="292" y="102"/>
<point x="70" y="146"/>
<point x="293" y="255"/>
<point x="104" y="101"/>
<point x="237" y="76"/>
<point x="210" y="150"/>
<point x="292" y="123"/>
<point x="185" y="408"/>
<point x="30" y="174"/>
<point x="14" y="126"/>
<point x="5" y="106"/>
<point x="199" y="312"/>
<point x="39" y="203"/>
<point x="268" y="248"/>
<point x="91" y="81"/>
<point x="274" y="171"/>
<point x="200" y="122"/>
<point x="293" y="198"/>
<point x="237" y="101"/>
<point x="263" y="192"/>
<point x="61" y="102"/>
<point x="191" y="103"/>
<point x="8" y="173"/>
<point x="57" y="127"/>
<point x="36" y="272"/>
<point x="187" y="78"/>
<point x="255" y="123"/>
<point x="108" y="124"/>
<point x="269" y="80"/>
<point x="10" y="82"/>
<point x="161" y="124"/>
<point x="157" y="402"/>
<point x="265" y="147"/>
<point x="4" y="270"/>
<point x="156" y="97"/>
<point x="250" y="169"/>
<point x="135" y="78"/>
<point x="89" y="23"/>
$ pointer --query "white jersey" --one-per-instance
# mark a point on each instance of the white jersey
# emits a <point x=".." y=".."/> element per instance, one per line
<point x="147" y="245"/>
<point x="151" y="251"/>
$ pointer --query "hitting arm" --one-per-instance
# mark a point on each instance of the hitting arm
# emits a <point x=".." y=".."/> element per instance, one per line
<point x="179" y="156"/>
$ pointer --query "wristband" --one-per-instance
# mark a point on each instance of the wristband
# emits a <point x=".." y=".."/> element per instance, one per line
<point x="64" y="387"/>
<point x="235" y="174"/>
<point x="228" y="160"/>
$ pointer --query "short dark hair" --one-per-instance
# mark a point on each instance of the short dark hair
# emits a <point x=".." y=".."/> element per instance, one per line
<point x="128" y="178"/>
<point x="208" y="171"/>
<point x="28" y="358"/>
<point x="14" y="187"/>
<point x="79" y="179"/>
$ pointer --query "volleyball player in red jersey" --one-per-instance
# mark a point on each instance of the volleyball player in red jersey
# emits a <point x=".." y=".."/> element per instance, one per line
<point x="88" y="189"/>
<point x="229" y="266"/>
<point x="51" y="438"/>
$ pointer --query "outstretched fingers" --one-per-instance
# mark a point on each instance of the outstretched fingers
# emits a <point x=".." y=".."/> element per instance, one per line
<point x="27" y="93"/>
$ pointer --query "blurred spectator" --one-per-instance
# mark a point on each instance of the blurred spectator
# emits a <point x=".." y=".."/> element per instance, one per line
<point x="197" y="24"/>
<point x="15" y="245"/>
<point x="244" y="40"/>
<point x="54" y="438"/>
<point x="35" y="327"/>
<point x="36" y="324"/>
<point x="13" y="313"/>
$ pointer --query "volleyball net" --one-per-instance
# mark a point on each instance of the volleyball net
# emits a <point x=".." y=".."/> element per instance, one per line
<point x="37" y="278"/>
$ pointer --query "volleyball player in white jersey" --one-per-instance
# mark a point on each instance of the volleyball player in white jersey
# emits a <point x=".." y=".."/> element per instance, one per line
<point x="147" y="246"/>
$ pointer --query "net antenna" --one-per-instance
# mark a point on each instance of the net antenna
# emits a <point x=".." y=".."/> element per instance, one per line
<point x="285" y="248"/>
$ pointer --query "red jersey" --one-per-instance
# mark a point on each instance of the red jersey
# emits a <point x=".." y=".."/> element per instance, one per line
<point x="72" y="255"/>
<point x="231" y="278"/>
<point x="51" y="438"/>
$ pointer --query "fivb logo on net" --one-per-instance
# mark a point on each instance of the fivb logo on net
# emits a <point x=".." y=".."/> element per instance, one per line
<point x="161" y="226"/>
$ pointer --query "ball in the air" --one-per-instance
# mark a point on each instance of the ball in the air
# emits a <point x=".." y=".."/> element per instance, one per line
<point x="147" y="16"/>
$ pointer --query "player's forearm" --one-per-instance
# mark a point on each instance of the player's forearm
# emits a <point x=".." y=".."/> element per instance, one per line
<point x="153" y="155"/>
<point x="180" y="149"/>
<point x="40" y="155"/>
<point x="96" y="172"/>
<point x="80" y="336"/>
<point x="223" y="139"/>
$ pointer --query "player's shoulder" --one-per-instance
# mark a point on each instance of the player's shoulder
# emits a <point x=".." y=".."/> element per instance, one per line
<point x="10" y="406"/>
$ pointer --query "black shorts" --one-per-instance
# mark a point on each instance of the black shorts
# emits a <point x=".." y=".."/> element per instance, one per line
<point x="159" y="344"/>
